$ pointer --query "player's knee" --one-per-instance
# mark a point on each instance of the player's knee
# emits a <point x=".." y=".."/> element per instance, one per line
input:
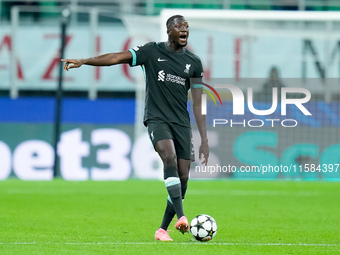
<point x="170" y="160"/>
<point x="183" y="173"/>
<point x="184" y="178"/>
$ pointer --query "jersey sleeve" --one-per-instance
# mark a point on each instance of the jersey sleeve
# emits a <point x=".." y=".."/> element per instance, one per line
<point x="199" y="69"/>
<point x="198" y="75"/>
<point x="140" y="54"/>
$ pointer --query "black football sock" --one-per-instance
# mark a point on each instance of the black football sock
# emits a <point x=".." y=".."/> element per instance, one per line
<point x="168" y="215"/>
<point x="170" y="211"/>
<point x="184" y="189"/>
<point x="173" y="185"/>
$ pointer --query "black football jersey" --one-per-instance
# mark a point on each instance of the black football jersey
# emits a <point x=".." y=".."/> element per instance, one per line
<point x="167" y="75"/>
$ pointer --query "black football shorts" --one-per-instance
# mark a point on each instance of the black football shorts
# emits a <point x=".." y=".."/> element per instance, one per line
<point x="181" y="136"/>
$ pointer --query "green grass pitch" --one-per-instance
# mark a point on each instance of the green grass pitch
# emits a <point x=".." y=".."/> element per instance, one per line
<point x="253" y="217"/>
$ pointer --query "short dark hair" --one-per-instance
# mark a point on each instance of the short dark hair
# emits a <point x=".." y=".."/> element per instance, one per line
<point x="171" y="20"/>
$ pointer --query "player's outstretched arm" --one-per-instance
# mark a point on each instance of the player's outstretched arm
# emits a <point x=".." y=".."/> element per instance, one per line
<point x="201" y="124"/>
<point x="108" y="59"/>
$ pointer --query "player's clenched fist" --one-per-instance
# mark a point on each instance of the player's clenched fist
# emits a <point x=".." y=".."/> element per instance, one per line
<point x="75" y="63"/>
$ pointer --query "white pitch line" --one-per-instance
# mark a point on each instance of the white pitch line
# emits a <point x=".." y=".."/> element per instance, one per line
<point x="191" y="243"/>
<point x="253" y="193"/>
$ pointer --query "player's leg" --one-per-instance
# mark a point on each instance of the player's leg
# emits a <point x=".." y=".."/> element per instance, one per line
<point x="184" y="151"/>
<point x="183" y="172"/>
<point x="161" y="137"/>
<point x="167" y="152"/>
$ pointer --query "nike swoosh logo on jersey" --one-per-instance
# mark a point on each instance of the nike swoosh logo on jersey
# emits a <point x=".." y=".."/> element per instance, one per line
<point x="161" y="60"/>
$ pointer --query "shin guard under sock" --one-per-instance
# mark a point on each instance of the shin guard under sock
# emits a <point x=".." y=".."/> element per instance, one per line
<point x="173" y="186"/>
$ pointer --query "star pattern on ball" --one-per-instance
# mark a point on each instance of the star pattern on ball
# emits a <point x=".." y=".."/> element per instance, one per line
<point x="203" y="227"/>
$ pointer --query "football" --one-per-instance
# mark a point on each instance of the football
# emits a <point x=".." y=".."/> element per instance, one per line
<point x="203" y="227"/>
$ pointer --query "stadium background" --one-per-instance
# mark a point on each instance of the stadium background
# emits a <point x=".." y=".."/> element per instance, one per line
<point x="102" y="137"/>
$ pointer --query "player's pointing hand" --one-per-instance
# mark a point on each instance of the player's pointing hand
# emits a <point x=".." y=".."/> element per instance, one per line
<point x="75" y="63"/>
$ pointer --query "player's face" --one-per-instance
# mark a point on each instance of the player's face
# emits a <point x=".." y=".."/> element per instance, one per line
<point x="179" y="32"/>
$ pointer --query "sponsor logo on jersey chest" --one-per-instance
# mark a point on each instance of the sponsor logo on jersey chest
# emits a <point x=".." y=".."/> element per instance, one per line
<point x="162" y="76"/>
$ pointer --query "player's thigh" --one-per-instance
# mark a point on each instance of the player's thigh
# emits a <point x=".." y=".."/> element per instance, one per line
<point x="161" y="137"/>
<point x="183" y="141"/>
<point x="166" y="150"/>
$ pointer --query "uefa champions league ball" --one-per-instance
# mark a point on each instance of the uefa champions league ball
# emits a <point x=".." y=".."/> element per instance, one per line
<point x="203" y="227"/>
